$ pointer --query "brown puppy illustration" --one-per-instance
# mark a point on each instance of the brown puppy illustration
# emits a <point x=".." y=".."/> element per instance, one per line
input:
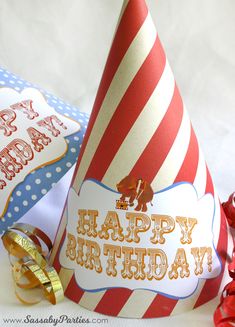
<point x="135" y="189"/>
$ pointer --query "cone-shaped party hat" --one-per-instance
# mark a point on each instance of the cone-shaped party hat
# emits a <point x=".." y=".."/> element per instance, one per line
<point x="143" y="234"/>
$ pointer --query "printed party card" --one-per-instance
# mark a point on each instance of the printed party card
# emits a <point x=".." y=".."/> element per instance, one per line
<point x="40" y="139"/>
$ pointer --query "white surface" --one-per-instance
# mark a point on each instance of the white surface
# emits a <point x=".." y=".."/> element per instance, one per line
<point x="62" y="46"/>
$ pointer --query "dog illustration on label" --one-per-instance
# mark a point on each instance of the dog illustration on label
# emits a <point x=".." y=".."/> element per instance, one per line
<point x="134" y="189"/>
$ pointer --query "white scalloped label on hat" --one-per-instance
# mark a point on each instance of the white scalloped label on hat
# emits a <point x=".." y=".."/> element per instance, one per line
<point x="165" y="246"/>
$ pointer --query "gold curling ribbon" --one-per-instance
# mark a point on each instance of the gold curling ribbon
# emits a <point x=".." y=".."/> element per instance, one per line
<point x="30" y="267"/>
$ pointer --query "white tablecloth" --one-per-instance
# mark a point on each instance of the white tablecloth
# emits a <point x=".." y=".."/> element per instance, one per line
<point x="62" y="46"/>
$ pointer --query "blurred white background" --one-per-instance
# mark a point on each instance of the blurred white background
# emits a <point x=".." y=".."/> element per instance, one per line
<point x="62" y="46"/>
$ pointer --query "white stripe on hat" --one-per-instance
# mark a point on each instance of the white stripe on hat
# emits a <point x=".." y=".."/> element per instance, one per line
<point x="135" y="307"/>
<point x="175" y="157"/>
<point x="201" y="175"/>
<point x="65" y="276"/>
<point x="89" y="300"/>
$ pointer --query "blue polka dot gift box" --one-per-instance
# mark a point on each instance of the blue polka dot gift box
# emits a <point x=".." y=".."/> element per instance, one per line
<point x="40" y="139"/>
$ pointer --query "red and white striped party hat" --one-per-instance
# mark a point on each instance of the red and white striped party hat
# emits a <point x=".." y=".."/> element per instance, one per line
<point x="143" y="233"/>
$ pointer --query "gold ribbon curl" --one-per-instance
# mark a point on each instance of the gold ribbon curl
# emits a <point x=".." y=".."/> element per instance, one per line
<point x="30" y="268"/>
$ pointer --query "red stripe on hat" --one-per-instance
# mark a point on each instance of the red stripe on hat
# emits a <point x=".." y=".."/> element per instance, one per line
<point x="161" y="142"/>
<point x="132" y="19"/>
<point x="211" y="287"/>
<point x="56" y="262"/>
<point x="73" y="291"/>
<point x="113" y="300"/>
<point x="188" y="169"/>
<point x="209" y="183"/>
<point x="160" y="306"/>
<point x="133" y="102"/>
